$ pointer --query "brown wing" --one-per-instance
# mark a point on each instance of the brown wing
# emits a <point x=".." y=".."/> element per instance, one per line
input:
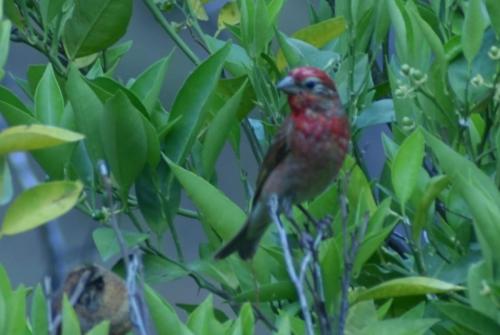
<point x="277" y="151"/>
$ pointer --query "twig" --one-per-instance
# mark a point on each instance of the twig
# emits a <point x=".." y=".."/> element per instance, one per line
<point x="349" y="255"/>
<point x="274" y="213"/>
<point x="170" y="30"/>
<point x="136" y="301"/>
<point x="138" y="309"/>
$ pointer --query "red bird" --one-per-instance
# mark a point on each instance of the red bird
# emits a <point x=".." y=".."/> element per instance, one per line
<point x="304" y="157"/>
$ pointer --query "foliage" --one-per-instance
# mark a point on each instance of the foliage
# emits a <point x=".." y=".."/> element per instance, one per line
<point x="429" y="71"/>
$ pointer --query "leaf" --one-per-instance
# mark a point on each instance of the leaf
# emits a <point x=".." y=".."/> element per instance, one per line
<point x="107" y="244"/>
<point x="283" y="290"/>
<point x="381" y="111"/>
<point x="39" y="320"/>
<point x="101" y="328"/>
<point x="331" y="268"/>
<point x="188" y="105"/>
<point x="434" y="188"/>
<point x="6" y="187"/>
<point x="50" y="9"/>
<point x="163" y="315"/>
<point x="399" y="327"/>
<point x="468" y="318"/>
<point x="406" y="166"/>
<point x="88" y="111"/>
<point x="318" y="35"/>
<point x="473" y="29"/>
<point x="39" y="205"/>
<point x="408" y="286"/>
<point x="198" y="10"/>
<point x="123" y="133"/>
<point x="477" y="281"/>
<point x="33" y="137"/>
<point x="5" y="27"/>
<point x="16" y="313"/>
<point x="95" y="25"/>
<point x="70" y="323"/>
<point x="202" y="320"/>
<point x="218" y="211"/>
<point x="218" y="131"/>
<point x="49" y="102"/>
<point x="493" y="7"/>
<point x="229" y="14"/>
<point x="480" y="194"/>
<point x="148" y="85"/>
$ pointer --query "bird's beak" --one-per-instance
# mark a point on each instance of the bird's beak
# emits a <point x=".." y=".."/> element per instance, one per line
<point x="288" y="85"/>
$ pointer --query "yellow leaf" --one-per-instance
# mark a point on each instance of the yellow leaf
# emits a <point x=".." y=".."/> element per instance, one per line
<point x="35" y="136"/>
<point x="198" y="9"/>
<point x="229" y="15"/>
<point x="318" y="35"/>
<point x="39" y="205"/>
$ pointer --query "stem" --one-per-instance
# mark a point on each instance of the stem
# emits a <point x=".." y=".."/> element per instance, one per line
<point x="297" y="281"/>
<point x="170" y="30"/>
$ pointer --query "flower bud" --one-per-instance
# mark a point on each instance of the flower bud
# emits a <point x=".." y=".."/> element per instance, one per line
<point x="405" y="69"/>
<point x="477" y="80"/>
<point x="494" y="53"/>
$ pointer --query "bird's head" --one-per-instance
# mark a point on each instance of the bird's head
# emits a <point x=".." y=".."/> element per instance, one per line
<point x="310" y="88"/>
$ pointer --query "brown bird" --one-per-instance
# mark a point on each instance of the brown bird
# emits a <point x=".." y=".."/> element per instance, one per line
<point x="304" y="157"/>
<point x="99" y="295"/>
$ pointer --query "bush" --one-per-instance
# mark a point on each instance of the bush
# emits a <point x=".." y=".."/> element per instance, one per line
<point x="427" y="71"/>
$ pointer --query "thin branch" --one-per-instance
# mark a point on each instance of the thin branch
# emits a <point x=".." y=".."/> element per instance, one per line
<point x="170" y="30"/>
<point x="274" y="213"/>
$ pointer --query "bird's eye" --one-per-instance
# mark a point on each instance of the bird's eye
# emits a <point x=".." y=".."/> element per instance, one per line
<point x="310" y="84"/>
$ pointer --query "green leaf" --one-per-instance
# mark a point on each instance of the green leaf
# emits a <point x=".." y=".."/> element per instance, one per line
<point x="49" y="102"/>
<point x="473" y="29"/>
<point x="70" y="323"/>
<point x="480" y="194"/>
<point x="318" y="35"/>
<point x="95" y="25"/>
<point x="88" y="111"/>
<point x="283" y="290"/>
<point x="399" y="327"/>
<point x="408" y="286"/>
<point x="370" y="244"/>
<point x="25" y="138"/>
<point x="218" y="211"/>
<point x="468" y="318"/>
<point x="188" y="105"/>
<point x="406" y="166"/>
<point x="331" y="266"/>
<point x="107" y="243"/>
<point x="148" y="85"/>
<point x="16" y="313"/>
<point x="477" y="281"/>
<point x="5" y="27"/>
<point x="114" y="54"/>
<point x="50" y="9"/>
<point x="123" y="133"/>
<point x="434" y="188"/>
<point x="6" y="187"/>
<point x="163" y="315"/>
<point x="202" y="320"/>
<point x="100" y="329"/>
<point x="39" y="320"/>
<point x="219" y="130"/>
<point x="493" y="7"/>
<point x="381" y="111"/>
<point x="39" y="205"/>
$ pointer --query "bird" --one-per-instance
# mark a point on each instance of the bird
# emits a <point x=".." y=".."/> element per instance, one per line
<point x="304" y="157"/>
<point x="98" y="295"/>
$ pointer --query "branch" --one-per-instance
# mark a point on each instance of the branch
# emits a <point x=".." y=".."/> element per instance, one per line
<point x="274" y="213"/>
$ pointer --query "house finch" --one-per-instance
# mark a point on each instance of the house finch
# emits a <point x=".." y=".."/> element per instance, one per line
<point x="304" y="157"/>
<point x="98" y="295"/>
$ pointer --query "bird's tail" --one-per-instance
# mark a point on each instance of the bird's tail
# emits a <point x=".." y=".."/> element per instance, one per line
<point x="244" y="243"/>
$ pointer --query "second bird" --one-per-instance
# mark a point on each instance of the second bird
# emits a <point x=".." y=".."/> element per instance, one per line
<point x="304" y="157"/>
